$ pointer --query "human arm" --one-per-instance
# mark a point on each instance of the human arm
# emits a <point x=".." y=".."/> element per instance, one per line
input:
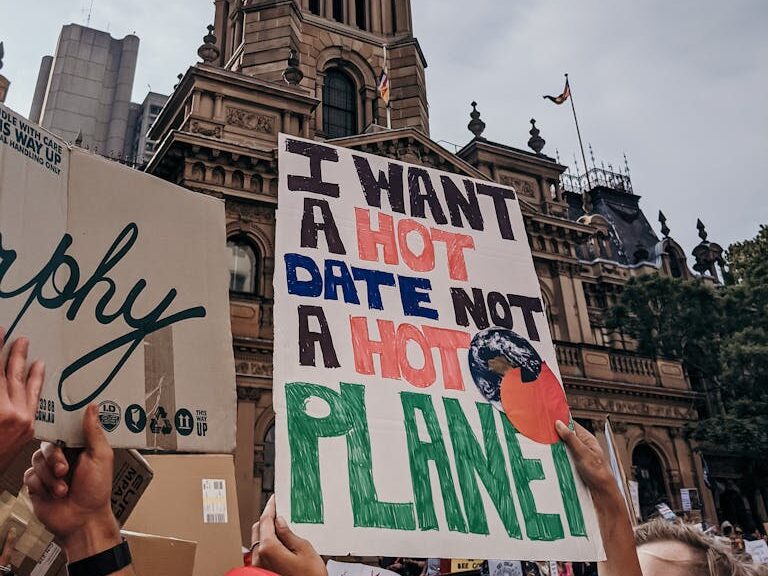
<point x="615" y="527"/>
<point x="19" y="395"/>
<point x="276" y="548"/>
<point x="78" y="511"/>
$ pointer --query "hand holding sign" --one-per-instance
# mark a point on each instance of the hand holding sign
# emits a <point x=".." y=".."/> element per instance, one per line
<point x="19" y="394"/>
<point x="80" y="515"/>
<point x="278" y="549"/>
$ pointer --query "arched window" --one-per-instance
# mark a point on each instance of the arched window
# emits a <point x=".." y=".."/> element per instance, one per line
<point x="649" y="474"/>
<point x="268" y="472"/>
<point x="339" y="105"/>
<point x="218" y="175"/>
<point x="243" y="267"/>
<point x="238" y="180"/>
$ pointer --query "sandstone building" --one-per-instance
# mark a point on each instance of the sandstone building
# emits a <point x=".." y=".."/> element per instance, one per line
<point x="218" y="135"/>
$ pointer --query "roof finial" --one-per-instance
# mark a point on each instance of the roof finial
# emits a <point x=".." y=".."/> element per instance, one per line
<point x="626" y="164"/>
<point x="536" y="142"/>
<point x="178" y="77"/>
<point x="592" y="155"/>
<point x="2" y="53"/>
<point x="209" y="52"/>
<point x="702" y="230"/>
<point x="293" y="74"/>
<point x="557" y="155"/>
<point x="476" y="126"/>
<point x="664" y="227"/>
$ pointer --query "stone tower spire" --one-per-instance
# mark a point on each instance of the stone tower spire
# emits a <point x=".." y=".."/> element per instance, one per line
<point x="340" y="46"/>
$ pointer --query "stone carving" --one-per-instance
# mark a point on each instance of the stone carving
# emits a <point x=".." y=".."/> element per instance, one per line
<point x="250" y="120"/>
<point x="522" y="187"/>
<point x="628" y="407"/>
<point x="213" y="131"/>
<point x="254" y="213"/>
<point x="254" y="368"/>
<point x="248" y="393"/>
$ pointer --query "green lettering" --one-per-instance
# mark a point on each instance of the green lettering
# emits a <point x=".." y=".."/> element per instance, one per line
<point x="420" y="454"/>
<point x="524" y="470"/>
<point x="347" y="416"/>
<point x="489" y="465"/>
<point x="568" y="489"/>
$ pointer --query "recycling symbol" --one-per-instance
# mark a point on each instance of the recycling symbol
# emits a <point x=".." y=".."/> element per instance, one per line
<point x="160" y="424"/>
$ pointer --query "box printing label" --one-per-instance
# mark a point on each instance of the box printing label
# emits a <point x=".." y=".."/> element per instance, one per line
<point x="215" y="501"/>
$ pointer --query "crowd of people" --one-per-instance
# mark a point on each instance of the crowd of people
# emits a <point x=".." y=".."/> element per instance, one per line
<point x="72" y="499"/>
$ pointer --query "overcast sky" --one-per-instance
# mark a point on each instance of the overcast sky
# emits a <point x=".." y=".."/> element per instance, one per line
<point x="680" y="86"/>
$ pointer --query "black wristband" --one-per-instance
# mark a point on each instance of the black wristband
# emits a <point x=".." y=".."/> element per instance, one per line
<point x="103" y="563"/>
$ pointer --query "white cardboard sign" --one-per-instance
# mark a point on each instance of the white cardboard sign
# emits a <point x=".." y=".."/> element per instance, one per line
<point x="119" y="280"/>
<point x="416" y="385"/>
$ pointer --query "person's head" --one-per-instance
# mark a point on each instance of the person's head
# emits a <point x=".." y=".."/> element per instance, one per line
<point x="726" y="528"/>
<point x="674" y="549"/>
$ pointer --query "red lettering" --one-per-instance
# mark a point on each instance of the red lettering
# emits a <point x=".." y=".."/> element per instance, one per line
<point x="455" y="245"/>
<point x="368" y="240"/>
<point x="448" y="343"/>
<point x="365" y="348"/>
<point x="423" y="262"/>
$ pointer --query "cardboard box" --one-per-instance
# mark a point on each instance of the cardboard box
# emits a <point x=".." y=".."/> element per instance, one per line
<point x="161" y="556"/>
<point x="193" y="497"/>
<point x="141" y="325"/>
<point x="132" y="475"/>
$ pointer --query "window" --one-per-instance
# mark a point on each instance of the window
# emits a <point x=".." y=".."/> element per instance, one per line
<point x="360" y="14"/>
<point x="243" y="266"/>
<point x="314" y="7"/>
<point x="338" y="10"/>
<point x="339" y="106"/>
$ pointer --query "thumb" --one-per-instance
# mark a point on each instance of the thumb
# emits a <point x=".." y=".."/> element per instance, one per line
<point x="96" y="443"/>
<point x="290" y="540"/>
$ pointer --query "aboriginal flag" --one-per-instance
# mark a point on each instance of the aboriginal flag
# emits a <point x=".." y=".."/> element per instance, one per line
<point x="384" y="86"/>
<point x="563" y="97"/>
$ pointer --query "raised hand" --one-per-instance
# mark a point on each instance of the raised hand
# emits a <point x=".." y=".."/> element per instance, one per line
<point x="19" y="396"/>
<point x="277" y="548"/>
<point x="77" y="512"/>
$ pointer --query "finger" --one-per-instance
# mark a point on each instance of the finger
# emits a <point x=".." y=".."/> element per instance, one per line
<point x="14" y="370"/>
<point x="254" y="545"/>
<point x="570" y="438"/>
<point x="96" y="443"/>
<point x="44" y="472"/>
<point x="10" y="542"/>
<point x="55" y="458"/>
<point x="35" y="485"/>
<point x="291" y="541"/>
<point x="267" y="520"/>
<point x="35" y="380"/>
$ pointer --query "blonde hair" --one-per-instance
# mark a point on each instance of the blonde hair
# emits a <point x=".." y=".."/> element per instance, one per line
<point x="715" y="559"/>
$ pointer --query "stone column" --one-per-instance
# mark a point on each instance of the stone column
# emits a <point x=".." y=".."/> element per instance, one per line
<point x="375" y="22"/>
<point x="246" y="419"/>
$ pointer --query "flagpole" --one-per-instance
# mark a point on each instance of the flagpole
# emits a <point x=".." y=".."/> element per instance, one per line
<point x="389" y="107"/>
<point x="578" y="132"/>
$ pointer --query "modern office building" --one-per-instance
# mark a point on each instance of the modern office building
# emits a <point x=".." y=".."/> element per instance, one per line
<point x="83" y="94"/>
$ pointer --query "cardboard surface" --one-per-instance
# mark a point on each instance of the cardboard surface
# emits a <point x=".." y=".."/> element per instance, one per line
<point x="157" y="555"/>
<point x="416" y="387"/>
<point x="140" y="319"/>
<point x="175" y="505"/>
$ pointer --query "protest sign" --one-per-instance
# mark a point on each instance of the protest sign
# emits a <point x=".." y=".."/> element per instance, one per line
<point x="355" y="569"/>
<point x="416" y="387"/>
<point x="758" y="549"/>
<point x="119" y="280"/>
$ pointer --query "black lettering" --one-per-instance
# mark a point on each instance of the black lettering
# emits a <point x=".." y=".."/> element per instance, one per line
<point x="459" y="204"/>
<point x="310" y="227"/>
<point x="503" y="319"/>
<point x="500" y="196"/>
<point x="462" y="304"/>
<point x="528" y="305"/>
<point x="419" y="199"/>
<point x="373" y="187"/>
<point x="314" y="182"/>
<point x="308" y="338"/>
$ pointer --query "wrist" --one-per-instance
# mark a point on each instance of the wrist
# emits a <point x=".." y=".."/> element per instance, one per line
<point x="99" y="533"/>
